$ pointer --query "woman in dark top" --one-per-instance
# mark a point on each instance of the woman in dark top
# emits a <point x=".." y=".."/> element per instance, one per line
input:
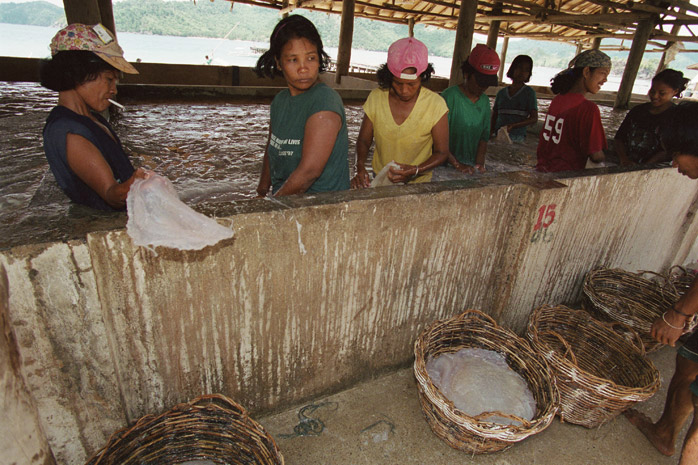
<point x="84" y="153"/>
<point x="637" y="139"/>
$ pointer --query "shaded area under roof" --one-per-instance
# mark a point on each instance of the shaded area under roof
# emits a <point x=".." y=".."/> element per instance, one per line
<point x="576" y="21"/>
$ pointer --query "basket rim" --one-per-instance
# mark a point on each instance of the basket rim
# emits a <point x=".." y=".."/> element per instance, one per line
<point x="211" y="402"/>
<point x="484" y="428"/>
<point x="606" y="386"/>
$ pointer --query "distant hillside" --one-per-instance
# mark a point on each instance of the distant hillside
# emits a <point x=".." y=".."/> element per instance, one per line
<point x="244" y="22"/>
<point x="32" y="13"/>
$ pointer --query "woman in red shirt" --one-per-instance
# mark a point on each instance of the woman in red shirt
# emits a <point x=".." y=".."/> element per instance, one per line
<point x="572" y="132"/>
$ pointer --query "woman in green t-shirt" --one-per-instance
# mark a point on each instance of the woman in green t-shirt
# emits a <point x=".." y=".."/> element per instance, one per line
<point x="307" y="149"/>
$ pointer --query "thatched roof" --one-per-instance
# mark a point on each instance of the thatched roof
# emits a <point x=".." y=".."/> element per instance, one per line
<point x="563" y="20"/>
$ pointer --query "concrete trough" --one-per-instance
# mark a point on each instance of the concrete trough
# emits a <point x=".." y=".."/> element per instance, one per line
<point x="313" y="294"/>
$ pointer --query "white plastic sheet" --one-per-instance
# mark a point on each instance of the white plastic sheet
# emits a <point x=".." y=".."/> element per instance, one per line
<point x="381" y="178"/>
<point x="156" y="217"/>
<point x="479" y="380"/>
<point x="503" y="136"/>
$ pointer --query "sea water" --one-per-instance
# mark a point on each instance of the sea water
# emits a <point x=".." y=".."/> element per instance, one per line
<point x="18" y="40"/>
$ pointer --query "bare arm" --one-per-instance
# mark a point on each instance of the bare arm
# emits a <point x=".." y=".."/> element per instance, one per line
<point x="463" y="168"/>
<point x="532" y="119"/>
<point x="658" y="158"/>
<point x="493" y="120"/>
<point x="677" y="316"/>
<point x="265" y="177"/>
<point x="89" y="165"/>
<point x="480" y="156"/>
<point x="363" y="145"/>
<point x="320" y="134"/>
<point x="622" y="152"/>
<point x="439" y="155"/>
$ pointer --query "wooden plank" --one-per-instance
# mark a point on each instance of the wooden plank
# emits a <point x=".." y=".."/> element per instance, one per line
<point x="464" y="39"/>
<point x="82" y="11"/>
<point x="346" y="33"/>
<point x="632" y="65"/>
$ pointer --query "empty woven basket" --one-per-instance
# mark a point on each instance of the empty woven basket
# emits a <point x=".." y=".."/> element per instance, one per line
<point x="210" y="427"/>
<point x="628" y="298"/>
<point x="475" y="434"/>
<point x="599" y="372"/>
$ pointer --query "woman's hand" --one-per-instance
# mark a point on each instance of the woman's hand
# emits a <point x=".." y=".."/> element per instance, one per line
<point x="261" y="192"/>
<point x="361" y="180"/>
<point x="142" y="173"/>
<point x="668" y="328"/>
<point x="402" y="174"/>
<point x="265" y="176"/>
<point x="463" y="168"/>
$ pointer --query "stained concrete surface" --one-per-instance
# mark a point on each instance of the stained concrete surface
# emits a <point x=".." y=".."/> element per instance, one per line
<point x="381" y="422"/>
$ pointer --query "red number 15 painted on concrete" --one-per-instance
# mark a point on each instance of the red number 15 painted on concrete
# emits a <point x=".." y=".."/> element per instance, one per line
<point x="546" y="216"/>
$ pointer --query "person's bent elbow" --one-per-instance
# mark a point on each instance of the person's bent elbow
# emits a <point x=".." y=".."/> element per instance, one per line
<point x="441" y="157"/>
<point x="597" y="157"/>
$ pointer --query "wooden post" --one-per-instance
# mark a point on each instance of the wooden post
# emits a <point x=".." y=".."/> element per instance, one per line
<point x="637" y="49"/>
<point x="82" y="11"/>
<point x="410" y="27"/>
<point x="663" y="63"/>
<point x="502" y="58"/>
<point x="464" y="39"/>
<point x="596" y="43"/>
<point x="493" y="31"/>
<point x="580" y="47"/>
<point x="492" y="35"/>
<point x="346" y="33"/>
<point x="106" y="13"/>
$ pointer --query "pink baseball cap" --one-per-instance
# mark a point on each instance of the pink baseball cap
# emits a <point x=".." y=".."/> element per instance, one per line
<point x="407" y="53"/>
<point x="96" y="39"/>
<point x="486" y="63"/>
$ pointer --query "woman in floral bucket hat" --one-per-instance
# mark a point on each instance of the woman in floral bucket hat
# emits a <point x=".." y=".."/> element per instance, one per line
<point x="83" y="151"/>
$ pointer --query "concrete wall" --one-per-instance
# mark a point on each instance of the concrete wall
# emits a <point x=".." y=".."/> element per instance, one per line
<point x="315" y="293"/>
<point x="22" y="439"/>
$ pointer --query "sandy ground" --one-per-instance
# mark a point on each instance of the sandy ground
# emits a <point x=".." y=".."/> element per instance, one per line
<point x="381" y="422"/>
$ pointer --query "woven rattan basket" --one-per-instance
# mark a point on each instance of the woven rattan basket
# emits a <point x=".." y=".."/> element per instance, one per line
<point x="210" y="427"/>
<point x="628" y="298"/>
<point x="475" y="434"/>
<point x="599" y="372"/>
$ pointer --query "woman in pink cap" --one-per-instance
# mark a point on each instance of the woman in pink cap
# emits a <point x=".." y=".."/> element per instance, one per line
<point x="407" y="121"/>
<point x="469" y="110"/>
<point x="82" y="149"/>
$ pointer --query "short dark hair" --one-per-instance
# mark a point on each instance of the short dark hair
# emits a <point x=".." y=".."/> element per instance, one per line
<point x="385" y="76"/>
<point x="672" y="78"/>
<point x="518" y="61"/>
<point x="291" y="27"/>
<point x="69" y="68"/>
<point x="680" y="134"/>
<point x="467" y="68"/>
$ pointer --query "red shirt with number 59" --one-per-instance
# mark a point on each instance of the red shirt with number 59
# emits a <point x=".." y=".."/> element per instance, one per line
<point x="572" y="131"/>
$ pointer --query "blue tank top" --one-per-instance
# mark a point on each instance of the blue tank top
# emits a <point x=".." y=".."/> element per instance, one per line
<point x="63" y="121"/>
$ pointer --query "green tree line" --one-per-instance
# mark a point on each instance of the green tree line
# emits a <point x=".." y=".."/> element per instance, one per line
<point x="244" y="22"/>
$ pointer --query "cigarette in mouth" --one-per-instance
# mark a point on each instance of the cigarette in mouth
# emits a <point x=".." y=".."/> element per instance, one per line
<point x="116" y="103"/>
